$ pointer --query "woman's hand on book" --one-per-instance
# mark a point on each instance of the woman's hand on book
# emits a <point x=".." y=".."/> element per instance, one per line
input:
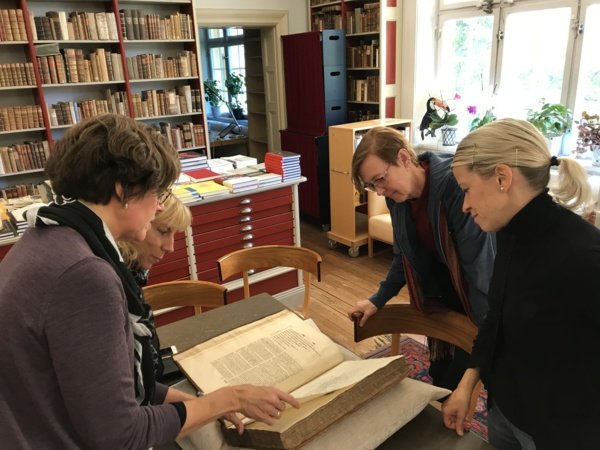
<point x="261" y="403"/>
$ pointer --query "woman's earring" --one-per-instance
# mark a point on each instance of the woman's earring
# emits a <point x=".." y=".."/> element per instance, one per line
<point x="502" y="188"/>
<point x="126" y="205"/>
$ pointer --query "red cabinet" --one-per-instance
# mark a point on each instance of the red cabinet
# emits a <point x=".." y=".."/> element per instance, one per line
<point x="4" y="250"/>
<point x="256" y="219"/>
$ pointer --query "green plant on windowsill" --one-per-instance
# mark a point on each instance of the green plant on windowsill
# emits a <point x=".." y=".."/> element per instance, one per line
<point x="212" y="93"/>
<point x="552" y="119"/>
<point x="442" y="119"/>
<point x="480" y="121"/>
<point x="235" y="86"/>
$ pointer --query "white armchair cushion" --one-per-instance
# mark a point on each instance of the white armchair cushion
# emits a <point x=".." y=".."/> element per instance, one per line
<point x="380" y="228"/>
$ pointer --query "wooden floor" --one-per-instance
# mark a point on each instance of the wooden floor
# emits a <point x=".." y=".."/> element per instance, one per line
<point x="344" y="281"/>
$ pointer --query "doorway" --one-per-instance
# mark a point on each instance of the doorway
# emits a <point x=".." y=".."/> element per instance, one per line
<point x="263" y="71"/>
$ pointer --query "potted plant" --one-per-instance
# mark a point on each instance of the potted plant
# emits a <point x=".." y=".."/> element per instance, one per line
<point x="235" y="86"/>
<point x="588" y="135"/>
<point x="446" y="120"/>
<point x="552" y="119"/>
<point x="480" y="121"/>
<point x="212" y="93"/>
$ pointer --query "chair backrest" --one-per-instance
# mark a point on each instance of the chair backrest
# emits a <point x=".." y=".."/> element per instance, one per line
<point x="185" y="293"/>
<point x="449" y="326"/>
<point x="267" y="256"/>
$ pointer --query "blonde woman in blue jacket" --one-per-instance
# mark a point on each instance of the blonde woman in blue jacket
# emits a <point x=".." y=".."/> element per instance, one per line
<point x="439" y="252"/>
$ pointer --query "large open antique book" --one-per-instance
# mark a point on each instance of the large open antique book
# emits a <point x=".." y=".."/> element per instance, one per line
<point x="285" y="351"/>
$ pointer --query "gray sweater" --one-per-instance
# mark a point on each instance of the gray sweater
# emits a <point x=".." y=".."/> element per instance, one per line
<point x="66" y="352"/>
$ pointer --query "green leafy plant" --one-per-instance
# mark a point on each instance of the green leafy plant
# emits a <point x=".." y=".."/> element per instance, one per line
<point x="552" y="119"/>
<point x="212" y="93"/>
<point x="441" y="119"/>
<point x="480" y="121"/>
<point x="235" y="86"/>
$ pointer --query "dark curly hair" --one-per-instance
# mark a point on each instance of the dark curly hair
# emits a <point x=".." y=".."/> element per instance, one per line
<point x="99" y="152"/>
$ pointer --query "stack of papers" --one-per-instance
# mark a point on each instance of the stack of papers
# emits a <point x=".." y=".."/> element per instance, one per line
<point x="240" y="183"/>
<point x="190" y="161"/>
<point x="6" y="230"/>
<point x="220" y="165"/>
<point x="286" y="164"/>
<point x="241" y="161"/>
<point x="18" y="217"/>
<point x="210" y="189"/>
<point x="193" y="192"/>
<point x="267" y="179"/>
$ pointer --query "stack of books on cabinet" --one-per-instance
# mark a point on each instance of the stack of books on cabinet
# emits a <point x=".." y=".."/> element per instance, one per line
<point x="62" y="62"/>
<point x="286" y="164"/>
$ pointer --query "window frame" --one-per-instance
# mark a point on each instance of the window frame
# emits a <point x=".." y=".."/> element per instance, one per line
<point x="225" y="42"/>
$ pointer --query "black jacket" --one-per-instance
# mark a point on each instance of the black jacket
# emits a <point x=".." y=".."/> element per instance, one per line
<point x="538" y="348"/>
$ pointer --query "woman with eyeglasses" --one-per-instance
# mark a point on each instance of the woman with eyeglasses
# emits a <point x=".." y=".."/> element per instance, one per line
<point x="77" y="367"/>
<point x="439" y="252"/>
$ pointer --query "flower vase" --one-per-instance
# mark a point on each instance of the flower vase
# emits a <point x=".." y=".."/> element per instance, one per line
<point x="595" y="148"/>
<point x="448" y="136"/>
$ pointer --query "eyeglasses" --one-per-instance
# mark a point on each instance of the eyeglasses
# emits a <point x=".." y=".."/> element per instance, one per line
<point x="377" y="183"/>
<point x="164" y="196"/>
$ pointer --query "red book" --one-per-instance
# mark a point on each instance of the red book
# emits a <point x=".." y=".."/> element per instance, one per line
<point x="202" y="174"/>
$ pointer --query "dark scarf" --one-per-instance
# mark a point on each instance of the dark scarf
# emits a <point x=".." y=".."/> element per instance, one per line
<point x="79" y="217"/>
<point x="141" y="278"/>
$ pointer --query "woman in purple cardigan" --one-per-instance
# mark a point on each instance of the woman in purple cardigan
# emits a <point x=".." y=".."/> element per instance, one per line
<point x="77" y="369"/>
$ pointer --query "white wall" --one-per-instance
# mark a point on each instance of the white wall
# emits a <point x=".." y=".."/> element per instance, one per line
<point x="297" y="9"/>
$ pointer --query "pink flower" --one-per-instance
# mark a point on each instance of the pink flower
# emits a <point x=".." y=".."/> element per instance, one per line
<point x="472" y="109"/>
<point x="457" y="96"/>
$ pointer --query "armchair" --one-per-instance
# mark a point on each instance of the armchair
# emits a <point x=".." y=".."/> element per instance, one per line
<point x="379" y="222"/>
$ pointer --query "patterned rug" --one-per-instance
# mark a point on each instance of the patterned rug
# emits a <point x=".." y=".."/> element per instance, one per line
<point x="417" y="357"/>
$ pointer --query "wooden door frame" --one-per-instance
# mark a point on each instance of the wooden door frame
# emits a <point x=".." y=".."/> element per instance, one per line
<point x="277" y="20"/>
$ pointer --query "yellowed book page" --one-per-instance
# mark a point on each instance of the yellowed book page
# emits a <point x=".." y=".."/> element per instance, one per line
<point x="341" y="376"/>
<point x="281" y="350"/>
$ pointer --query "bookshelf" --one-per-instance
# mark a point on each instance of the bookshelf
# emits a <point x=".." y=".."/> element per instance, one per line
<point x="349" y="210"/>
<point x="64" y="61"/>
<point x="255" y="90"/>
<point x="371" y="32"/>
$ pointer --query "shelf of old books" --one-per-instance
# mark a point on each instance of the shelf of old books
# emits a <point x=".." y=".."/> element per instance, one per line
<point x="64" y="61"/>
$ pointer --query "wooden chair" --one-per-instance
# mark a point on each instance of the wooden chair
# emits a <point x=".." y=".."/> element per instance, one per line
<point x="450" y="326"/>
<point x="267" y="256"/>
<point x="185" y="293"/>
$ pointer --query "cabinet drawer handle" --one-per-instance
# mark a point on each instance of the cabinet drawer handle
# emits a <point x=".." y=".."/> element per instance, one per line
<point x="245" y="201"/>
<point x="245" y="219"/>
<point x="248" y="245"/>
<point x="251" y="271"/>
<point x="340" y="171"/>
<point x="246" y="228"/>
<point x="247" y="237"/>
<point x="246" y="210"/>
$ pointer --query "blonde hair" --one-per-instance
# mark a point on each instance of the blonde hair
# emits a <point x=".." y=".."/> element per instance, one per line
<point x="520" y="145"/>
<point x="383" y="142"/>
<point x="175" y="215"/>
